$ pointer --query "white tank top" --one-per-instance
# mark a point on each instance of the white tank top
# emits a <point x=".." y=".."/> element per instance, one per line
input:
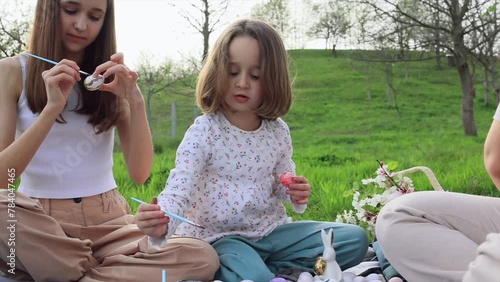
<point x="72" y="161"/>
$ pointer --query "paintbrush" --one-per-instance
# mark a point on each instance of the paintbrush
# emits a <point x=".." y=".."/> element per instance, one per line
<point x="173" y="215"/>
<point x="51" y="62"/>
<point x="90" y="82"/>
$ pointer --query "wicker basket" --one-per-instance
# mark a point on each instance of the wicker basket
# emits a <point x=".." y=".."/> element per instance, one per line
<point x="428" y="172"/>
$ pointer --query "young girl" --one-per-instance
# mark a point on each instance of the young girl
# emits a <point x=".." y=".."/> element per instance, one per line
<point x="229" y="162"/>
<point x="67" y="221"/>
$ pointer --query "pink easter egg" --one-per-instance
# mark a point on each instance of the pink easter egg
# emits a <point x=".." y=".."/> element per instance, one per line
<point x="287" y="179"/>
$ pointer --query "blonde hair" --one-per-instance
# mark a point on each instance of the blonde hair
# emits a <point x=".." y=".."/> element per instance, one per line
<point x="45" y="40"/>
<point x="276" y="85"/>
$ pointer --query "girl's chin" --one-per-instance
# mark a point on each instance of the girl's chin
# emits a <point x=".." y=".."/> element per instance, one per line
<point x="73" y="48"/>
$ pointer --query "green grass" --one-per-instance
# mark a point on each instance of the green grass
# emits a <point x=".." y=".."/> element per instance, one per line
<point x="339" y="133"/>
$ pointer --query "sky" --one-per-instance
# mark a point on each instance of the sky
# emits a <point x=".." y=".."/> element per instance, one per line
<point x="156" y="28"/>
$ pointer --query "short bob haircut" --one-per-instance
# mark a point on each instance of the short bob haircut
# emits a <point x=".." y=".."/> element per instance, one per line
<point x="213" y="80"/>
<point x="45" y="40"/>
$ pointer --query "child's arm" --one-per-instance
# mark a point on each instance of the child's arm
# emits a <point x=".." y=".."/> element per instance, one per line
<point x="298" y="192"/>
<point x="187" y="176"/>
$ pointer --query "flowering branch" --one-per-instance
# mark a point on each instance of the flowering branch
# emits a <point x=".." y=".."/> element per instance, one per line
<point x="367" y="205"/>
<point x="387" y="174"/>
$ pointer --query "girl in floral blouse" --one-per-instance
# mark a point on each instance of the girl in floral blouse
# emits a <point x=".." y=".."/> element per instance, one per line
<point x="227" y="167"/>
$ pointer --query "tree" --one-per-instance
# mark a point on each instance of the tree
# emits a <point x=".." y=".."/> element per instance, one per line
<point x="13" y="30"/>
<point x="456" y="18"/>
<point x="274" y="12"/>
<point x="333" y="23"/>
<point x="388" y="43"/>
<point x="205" y="17"/>
<point x="157" y="78"/>
<point x="484" y="39"/>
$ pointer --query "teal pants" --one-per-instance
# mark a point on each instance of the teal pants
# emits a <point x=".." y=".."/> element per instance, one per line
<point x="292" y="245"/>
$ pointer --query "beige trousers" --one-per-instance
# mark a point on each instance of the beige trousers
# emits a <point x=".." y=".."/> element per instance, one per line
<point x="94" y="239"/>
<point x="442" y="236"/>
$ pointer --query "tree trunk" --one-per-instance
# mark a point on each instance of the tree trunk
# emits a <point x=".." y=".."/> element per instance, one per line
<point x="468" y="94"/>
<point x="439" y="64"/>
<point x="487" y="88"/>
<point x="466" y="81"/>
<point x="388" y="82"/>
<point x="368" y="82"/>
<point x="206" y="31"/>
<point x="148" y="106"/>
<point x="496" y="90"/>
<point x="174" y="121"/>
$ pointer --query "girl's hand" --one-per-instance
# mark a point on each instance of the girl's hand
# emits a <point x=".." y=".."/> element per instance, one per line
<point x="299" y="190"/>
<point x="152" y="220"/>
<point x="124" y="83"/>
<point x="59" y="82"/>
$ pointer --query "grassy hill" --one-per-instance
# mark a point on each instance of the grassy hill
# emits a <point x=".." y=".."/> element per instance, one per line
<point x="339" y="131"/>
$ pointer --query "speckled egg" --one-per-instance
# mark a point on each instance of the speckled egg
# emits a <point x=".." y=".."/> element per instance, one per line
<point x="93" y="83"/>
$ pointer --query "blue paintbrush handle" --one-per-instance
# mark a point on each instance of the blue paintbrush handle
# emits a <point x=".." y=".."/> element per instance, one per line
<point x="173" y="215"/>
<point x="49" y="61"/>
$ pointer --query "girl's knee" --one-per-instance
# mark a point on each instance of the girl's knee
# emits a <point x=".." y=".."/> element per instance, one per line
<point x="398" y="213"/>
<point x="360" y="235"/>
<point x="211" y="257"/>
<point x="416" y="200"/>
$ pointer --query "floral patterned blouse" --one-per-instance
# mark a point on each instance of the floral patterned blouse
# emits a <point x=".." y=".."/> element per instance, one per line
<point x="227" y="179"/>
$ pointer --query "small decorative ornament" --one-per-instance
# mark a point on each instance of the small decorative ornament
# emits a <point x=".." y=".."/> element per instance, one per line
<point x="327" y="264"/>
<point x="320" y="266"/>
<point x="93" y="83"/>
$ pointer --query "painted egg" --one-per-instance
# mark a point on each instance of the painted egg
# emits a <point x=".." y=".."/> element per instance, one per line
<point x="305" y="277"/>
<point x="348" y="276"/>
<point x="287" y="179"/>
<point x="93" y="83"/>
<point x="373" y="277"/>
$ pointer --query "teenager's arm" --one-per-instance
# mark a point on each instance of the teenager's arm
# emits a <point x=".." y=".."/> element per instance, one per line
<point x="16" y="154"/>
<point x="135" y="139"/>
<point x="492" y="153"/>
<point x="133" y="127"/>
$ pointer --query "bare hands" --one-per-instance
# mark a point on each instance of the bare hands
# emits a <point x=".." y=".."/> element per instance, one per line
<point x="299" y="190"/>
<point x="152" y="220"/>
<point x="59" y="82"/>
<point x="124" y="83"/>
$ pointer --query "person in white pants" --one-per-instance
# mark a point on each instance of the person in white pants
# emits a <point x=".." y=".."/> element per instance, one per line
<point x="444" y="236"/>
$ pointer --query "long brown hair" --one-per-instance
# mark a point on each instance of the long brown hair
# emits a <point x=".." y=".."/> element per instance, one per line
<point x="45" y="40"/>
<point x="213" y="80"/>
